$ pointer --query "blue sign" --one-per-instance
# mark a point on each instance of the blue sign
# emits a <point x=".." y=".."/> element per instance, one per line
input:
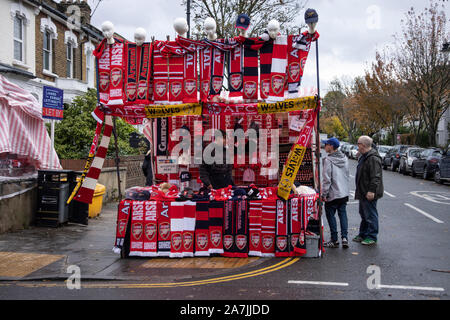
<point x="52" y="103"/>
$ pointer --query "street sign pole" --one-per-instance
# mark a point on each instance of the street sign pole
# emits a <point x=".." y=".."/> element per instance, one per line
<point x="53" y="142"/>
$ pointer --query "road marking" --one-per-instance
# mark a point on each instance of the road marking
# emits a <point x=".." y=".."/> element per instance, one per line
<point x="390" y="195"/>
<point x="320" y="283"/>
<point x="424" y="213"/>
<point x="433" y="196"/>
<point x="384" y="286"/>
<point x="280" y="265"/>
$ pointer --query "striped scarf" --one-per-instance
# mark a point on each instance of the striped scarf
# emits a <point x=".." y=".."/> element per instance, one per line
<point x="278" y="70"/>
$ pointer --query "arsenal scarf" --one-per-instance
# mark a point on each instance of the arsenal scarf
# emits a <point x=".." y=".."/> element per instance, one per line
<point x="137" y="229"/>
<point x="190" y="68"/>
<point x="251" y="48"/>
<point x="235" y="69"/>
<point x="189" y="228"/>
<point x="201" y="229"/>
<point x="294" y="223"/>
<point x="300" y="247"/>
<point x="111" y="65"/>
<point x="150" y="229"/>
<point x="163" y="229"/>
<point x="131" y="72"/>
<point x="282" y="246"/>
<point x="278" y="70"/>
<point x="176" y="229"/>
<point x="298" y="50"/>
<point x="268" y="227"/>
<point x="216" y="209"/>
<point x="160" y="75"/>
<point x="229" y="246"/>
<point x="241" y="238"/>
<point x="123" y="216"/>
<point x="144" y="54"/>
<point x="265" y="57"/>
<point x="205" y="72"/>
<point x="254" y="227"/>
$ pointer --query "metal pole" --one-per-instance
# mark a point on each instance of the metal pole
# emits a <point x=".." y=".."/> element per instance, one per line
<point x="188" y="14"/>
<point x="117" y="158"/>
<point x="52" y="134"/>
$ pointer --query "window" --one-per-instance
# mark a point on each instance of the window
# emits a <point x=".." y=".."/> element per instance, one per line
<point x="69" y="64"/>
<point x="47" y="51"/>
<point x="88" y="66"/>
<point x="18" y="38"/>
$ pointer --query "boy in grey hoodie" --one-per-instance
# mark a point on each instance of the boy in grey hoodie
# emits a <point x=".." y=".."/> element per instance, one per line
<point x="335" y="191"/>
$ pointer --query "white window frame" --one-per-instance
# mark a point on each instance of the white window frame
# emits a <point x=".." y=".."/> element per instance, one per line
<point x="22" y="40"/>
<point x="88" y="65"/>
<point x="49" y="51"/>
<point x="69" y="69"/>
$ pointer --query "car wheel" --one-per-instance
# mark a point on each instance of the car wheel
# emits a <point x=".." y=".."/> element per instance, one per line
<point x="425" y="173"/>
<point x="437" y="176"/>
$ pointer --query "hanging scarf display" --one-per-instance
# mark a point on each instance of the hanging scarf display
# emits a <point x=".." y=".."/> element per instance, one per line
<point x="235" y="69"/>
<point x="250" y="79"/>
<point x="278" y="70"/>
<point x="265" y="58"/>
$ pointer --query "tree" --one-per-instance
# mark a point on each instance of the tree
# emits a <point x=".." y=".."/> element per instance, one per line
<point x="260" y="12"/>
<point x="421" y="63"/>
<point x="74" y="134"/>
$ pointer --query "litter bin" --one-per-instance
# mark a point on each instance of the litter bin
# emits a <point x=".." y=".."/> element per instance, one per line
<point x="53" y="192"/>
<point x="97" y="201"/>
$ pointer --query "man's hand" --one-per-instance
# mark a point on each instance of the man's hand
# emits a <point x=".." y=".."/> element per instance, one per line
<point x="370" y="196"/>
<point x="210" y="187"/>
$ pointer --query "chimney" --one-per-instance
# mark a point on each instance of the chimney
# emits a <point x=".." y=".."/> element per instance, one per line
<point x="84" y="7"/>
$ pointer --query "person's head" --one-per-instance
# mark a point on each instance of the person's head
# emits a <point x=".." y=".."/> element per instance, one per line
<point x="364" y="144"/>
<point x="331" y="145"/>
<point x="220" y="137"/>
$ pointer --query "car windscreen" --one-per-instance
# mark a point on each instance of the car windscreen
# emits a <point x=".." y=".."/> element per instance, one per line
<point x="415" y="152"/>
<point x="383" y="149"/>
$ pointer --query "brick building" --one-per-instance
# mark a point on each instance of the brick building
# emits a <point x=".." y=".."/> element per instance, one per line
<point x="48" y="44"/>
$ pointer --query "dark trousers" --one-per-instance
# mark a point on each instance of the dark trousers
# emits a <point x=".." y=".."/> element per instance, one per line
<point x="342" y="213"/>
<point x="369" y="219"/>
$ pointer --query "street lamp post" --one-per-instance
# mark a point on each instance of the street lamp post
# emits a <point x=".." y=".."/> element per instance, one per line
<point x="188" y="16"/>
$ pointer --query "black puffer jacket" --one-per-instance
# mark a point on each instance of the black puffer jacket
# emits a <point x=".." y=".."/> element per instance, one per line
<point x="217" y="175"/>
<point x="369" y="175"/>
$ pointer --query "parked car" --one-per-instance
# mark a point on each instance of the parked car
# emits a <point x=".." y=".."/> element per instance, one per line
<point x="342" y="145"/>
<point x="392" y="157"/>
<point x="426" y="163"/>
<point x="442" y="172"/>
<point x="354" y="153"/>
<point x="349" y="149"/>
<point x="382" y="150"/>
<point x="407" y="159"/>
<point x="345" y="148"/>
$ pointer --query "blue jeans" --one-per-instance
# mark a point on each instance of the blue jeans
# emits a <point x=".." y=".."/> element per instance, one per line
<point x="369" y="219"/>
<point x="342" y="213"/>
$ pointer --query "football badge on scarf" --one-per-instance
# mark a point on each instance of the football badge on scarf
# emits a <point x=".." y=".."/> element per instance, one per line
<point x="241" y="241"/>
<point x="160" y="88"/>
<point x="267" y="242"/>
<point x="250" y="88"/>
<point x="216" y="236"/>
<point x="228" y="241"/>
<point x="202" y="240"/>
<point x="190" y="86"/>
<point x="187" y="241"/>
<point x="150" y="231"/>
<point x="217" y="84"/>
<point x="265" y="85"/>
<point x="277" y="84"/>
<point x="104" y="80"/>
<point x="294" y="71"/>
<point x="142" y="90"/>
<point x="116" y="76"/>
<point x="136" y="229"/>
<point x="236" y="81"/>
<point x="255" y="239"/>
<point x="164" y="230"/>
<point x="176" y="88"/>
<point x="282" y="243"/>
<point x="131" y="91"/>
<point x="176" y="241"/>
<point x="122" y="227"/>
<point x="205" y="87"/>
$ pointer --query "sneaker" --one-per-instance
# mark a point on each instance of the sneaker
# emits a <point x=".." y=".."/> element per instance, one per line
<point x="344" y="243"/>
<point x="357" y="239"/>
<point x="368" y="242"/>
<point x="331" y="244"/>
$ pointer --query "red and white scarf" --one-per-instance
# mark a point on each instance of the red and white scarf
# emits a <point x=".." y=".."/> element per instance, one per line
<point x="278" y="71"/>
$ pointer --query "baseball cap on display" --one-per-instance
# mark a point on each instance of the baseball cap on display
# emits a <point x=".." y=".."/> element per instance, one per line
<point x="311" y="16"/>
<point x="243" y="21"/>
<point x="332" y="142"/>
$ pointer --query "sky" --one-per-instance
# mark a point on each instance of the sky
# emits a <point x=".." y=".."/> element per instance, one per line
<point x="350" y="30"/>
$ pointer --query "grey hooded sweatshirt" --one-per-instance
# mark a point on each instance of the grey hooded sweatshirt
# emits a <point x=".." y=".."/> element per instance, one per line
<point x="335" y="176"/>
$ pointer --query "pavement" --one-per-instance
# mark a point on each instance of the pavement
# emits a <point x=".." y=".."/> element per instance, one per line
<point x="411" y="259"/>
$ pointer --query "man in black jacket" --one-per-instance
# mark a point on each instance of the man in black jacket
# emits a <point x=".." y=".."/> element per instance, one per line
<point x="217" y="175"/>
<point x="369" y="188"/>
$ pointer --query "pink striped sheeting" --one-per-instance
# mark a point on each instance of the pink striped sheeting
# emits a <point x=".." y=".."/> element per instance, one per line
<point x="22" y="128"/>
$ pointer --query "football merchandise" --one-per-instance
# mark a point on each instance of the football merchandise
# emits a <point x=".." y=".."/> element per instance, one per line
<point x="278" y="69"/>
<point x="281" y="241"/>
<point x="164" y="229"/>
<point x="254" y="227"/>
<point x="176" y="229"/>
<point x="137" y="229"/>
<point x="216" y="209"/>
<point x="202" y="229"/>
<point x="268" y="226"/>
<point x="150" y="236"/>
<point x="123" y="216"/>
<point x="189" y="228"/>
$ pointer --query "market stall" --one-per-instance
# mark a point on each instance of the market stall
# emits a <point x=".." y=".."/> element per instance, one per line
<point x="189" y="94"/>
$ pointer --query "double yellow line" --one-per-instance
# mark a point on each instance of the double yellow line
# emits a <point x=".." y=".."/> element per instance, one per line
<point x="280" y="265"/>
